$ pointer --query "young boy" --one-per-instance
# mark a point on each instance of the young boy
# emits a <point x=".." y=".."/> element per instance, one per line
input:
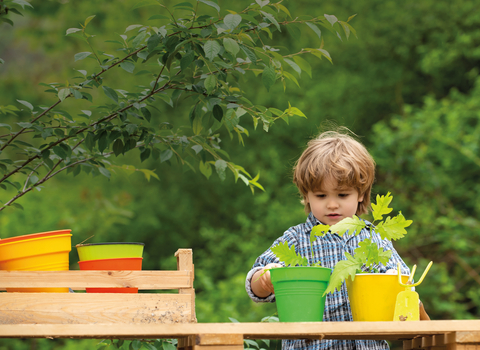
<point x="334" y="176"/>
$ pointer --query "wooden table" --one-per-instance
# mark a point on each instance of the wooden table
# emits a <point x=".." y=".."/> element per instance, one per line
<point x="449" y="335"/>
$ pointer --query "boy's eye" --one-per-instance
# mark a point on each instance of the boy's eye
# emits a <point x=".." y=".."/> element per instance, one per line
<point x="320" y="195"/>
<point x="343" y="195"/>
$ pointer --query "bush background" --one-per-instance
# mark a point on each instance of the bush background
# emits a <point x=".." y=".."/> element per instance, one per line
<point x="408" y="86"/>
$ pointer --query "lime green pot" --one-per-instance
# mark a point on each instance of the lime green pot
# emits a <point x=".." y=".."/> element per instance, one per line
<point x="299" y="292"/>
<point x="112" y="250"/>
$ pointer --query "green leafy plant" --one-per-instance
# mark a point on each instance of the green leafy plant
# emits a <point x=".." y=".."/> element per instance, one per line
<point x="193" y="57"/>
<point x="368" y="254"/>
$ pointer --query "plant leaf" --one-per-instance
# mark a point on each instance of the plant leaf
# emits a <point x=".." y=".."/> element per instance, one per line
<point x="271" y="19"/>
<point x="318" y="231"/>
<point x="231" y="46"/>
<point x="331" y="18"/>
<point x="81" y="55"/>
<point x="210" y="83"/>
<point x="304" y="65"/>
<point x="268" y="77"/>
<point x="369" y="254"/>
<point x="110" y="93"/>
<point x="288" y="255"/>
<point x="128" y="66"/>
<point x="393" y="228"/>
<point x="348" y="224"/>
<point x="232" y="21"/>
<point x="381" y="207"/>
<point x="211" y="48"/>
<point x="218" y="112"/>
<point x="26" y="104"/>
<point x="211" y="3"/>
<point x="315" y="29"/>
<point x="205" y="169"/>
<point x="343" y="270"/>
<point x="220" y="167"/>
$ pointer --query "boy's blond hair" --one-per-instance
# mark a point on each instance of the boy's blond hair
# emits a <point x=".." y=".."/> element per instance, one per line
<point x="336" y="156"/>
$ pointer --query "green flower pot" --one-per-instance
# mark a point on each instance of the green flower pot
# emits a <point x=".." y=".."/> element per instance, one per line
<point x="298" y="292"/>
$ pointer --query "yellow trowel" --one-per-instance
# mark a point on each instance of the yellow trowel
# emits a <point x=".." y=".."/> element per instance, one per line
<point x="407" y="305"/>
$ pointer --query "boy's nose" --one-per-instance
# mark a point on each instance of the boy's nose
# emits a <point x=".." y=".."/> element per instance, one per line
<point x="332" y="204"/>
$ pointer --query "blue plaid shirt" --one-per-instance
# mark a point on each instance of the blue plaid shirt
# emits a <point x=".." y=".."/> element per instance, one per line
<point x="329" y="250"/>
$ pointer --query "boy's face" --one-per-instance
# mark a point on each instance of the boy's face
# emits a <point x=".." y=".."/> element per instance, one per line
<point x="331" y="204"/>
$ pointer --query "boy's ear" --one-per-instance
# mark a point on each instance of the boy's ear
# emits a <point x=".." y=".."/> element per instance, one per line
<point x="360" y="198"/>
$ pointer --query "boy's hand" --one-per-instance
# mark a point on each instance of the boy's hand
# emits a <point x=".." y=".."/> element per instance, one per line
<point x="261" y="283"/>
<point x="423" y="314"/>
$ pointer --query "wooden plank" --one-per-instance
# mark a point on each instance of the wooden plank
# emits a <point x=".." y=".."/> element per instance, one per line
<point x="308" y="330"/>
<point x="78" y="280"/>
<point x="217" y="347"/>
<point x="223" y="339"/>
<point x="468" y="337"/>
<point x="89" y="308"/>
<point x="185" y="263"/>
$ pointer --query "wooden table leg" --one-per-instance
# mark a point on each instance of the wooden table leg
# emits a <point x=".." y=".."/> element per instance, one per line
<point x="211" y="342"/>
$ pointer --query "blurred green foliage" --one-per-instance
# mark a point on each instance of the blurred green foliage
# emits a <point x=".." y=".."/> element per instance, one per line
<point x="407" y="85"/>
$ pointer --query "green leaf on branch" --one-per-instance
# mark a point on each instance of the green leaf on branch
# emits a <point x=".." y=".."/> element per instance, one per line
<point x="393" y="228"/>
<point x="128" y="66"/>
<point x="221" y="167"/>
<point x="166" y="155"/>
<point x="145" y="154"/>
<point x="262" y="2"/>
<point x="290" y="77"/>
<point x="271" y="19"/>
<point x="232" y="21"/>
<point x="142" y="4"/>
<point x="118" y="147"/>
<point x="90" y="141"/>
<point x="59" y="151"/>
<point x="81" y="55"/>
<point x="381" y="207"/>
<point x="315" y="29"/>
<point x="16" y="205"/>
<point x="304" y="65"/>
<point x="112" y="94"/>
<point x="104" y="172"/>
<point x="231" y="46"/>
<point x="186" y="60"/>
<point x="138" y="39"/>
<point x="249" y="53"/>
<point x="63" y="94"/>
<point x="288" y="255"/>
<point x="294" y="31"/>
<point x="348" y="224"/>
<point x="218" y="112"/>
<point x="331" y="19"/>
<point x="268" y="77"/>
<point x="295" y="66"/>
<point x="343" y="270"/>
<point x="211" y="48"/>
<point x="26" y="104"/>
<point x="103" y="141"/>
<point x="211" y="3"/>
<point x="22" y="3"/>
<point x="205" y="169"/>
<point x="210" y="83"/>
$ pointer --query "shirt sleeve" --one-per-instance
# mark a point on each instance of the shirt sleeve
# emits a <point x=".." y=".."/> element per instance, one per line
<point x="267" y="258"/>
